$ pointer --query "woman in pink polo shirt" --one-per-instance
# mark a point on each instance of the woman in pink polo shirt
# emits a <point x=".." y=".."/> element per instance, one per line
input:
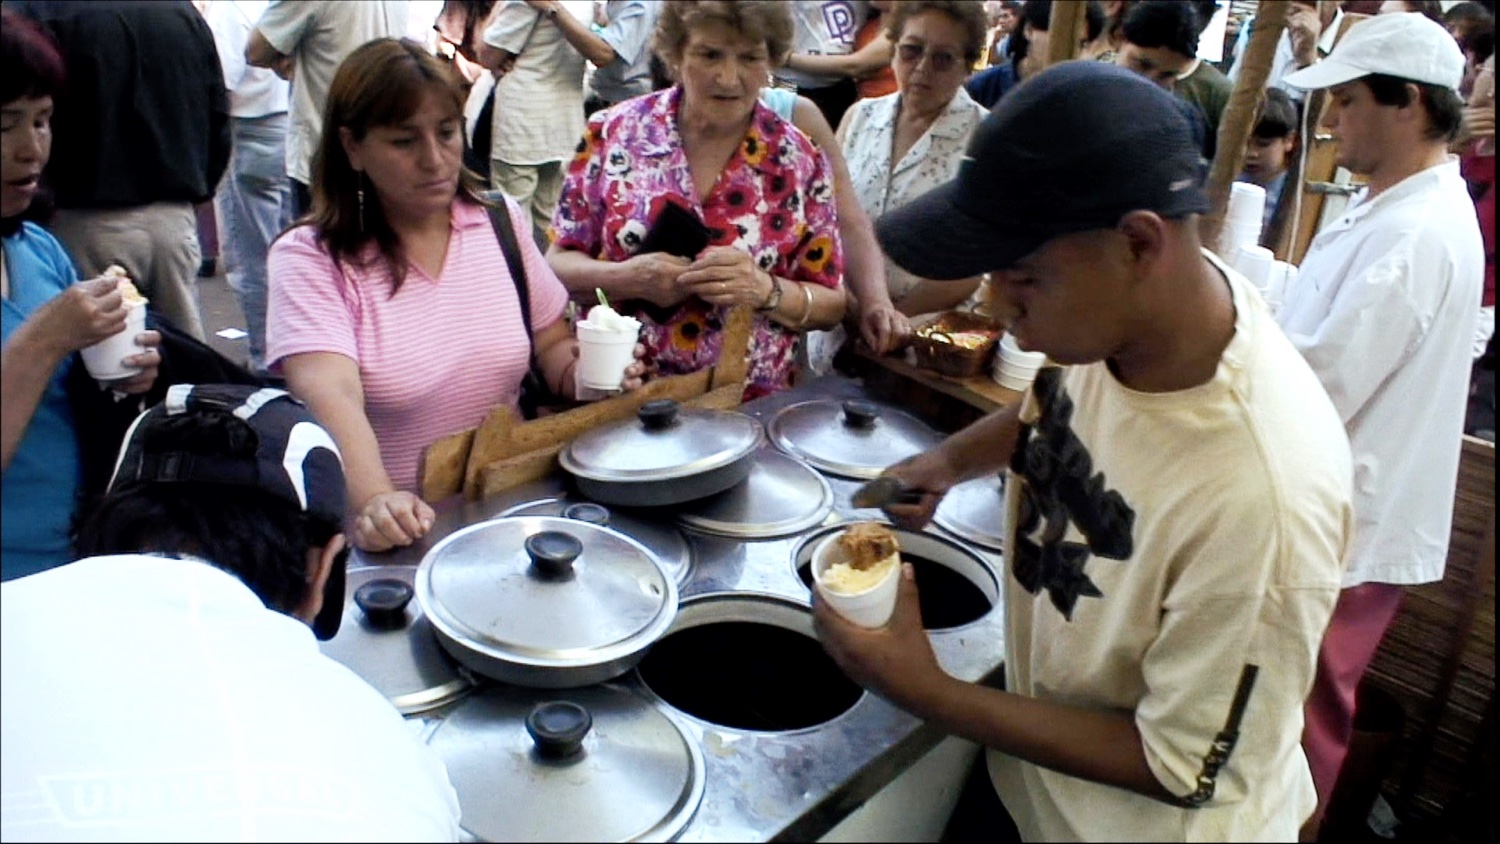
<point x="391" y="310"/>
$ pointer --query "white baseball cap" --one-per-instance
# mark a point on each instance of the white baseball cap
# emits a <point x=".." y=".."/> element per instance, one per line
<point x="1406" y="45"/>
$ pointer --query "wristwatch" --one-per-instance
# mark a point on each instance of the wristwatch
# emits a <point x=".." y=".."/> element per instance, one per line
<point x="774" y="297"/>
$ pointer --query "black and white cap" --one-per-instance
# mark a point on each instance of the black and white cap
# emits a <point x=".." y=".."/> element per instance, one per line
<point x="295" y="458"/>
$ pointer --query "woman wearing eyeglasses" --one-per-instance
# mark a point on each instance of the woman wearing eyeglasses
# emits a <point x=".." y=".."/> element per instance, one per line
<point x="901" y="145"/>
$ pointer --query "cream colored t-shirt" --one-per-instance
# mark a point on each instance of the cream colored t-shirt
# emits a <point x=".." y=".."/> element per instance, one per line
<point x="1178" y="556"/>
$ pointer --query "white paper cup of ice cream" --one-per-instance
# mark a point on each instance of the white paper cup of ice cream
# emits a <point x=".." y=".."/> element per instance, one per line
<point x="105" y="360"/>
<point x="865" y="598"/>
<point x="606" y="347"/>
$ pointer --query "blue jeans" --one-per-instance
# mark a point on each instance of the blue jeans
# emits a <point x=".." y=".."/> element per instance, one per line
<point x="253" y="204"/>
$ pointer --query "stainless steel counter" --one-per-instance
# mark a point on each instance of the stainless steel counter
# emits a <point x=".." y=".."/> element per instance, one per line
<point x="778" y="786"/>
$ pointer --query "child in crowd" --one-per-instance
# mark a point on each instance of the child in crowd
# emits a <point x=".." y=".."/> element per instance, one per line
<point x="1270" y="148"/>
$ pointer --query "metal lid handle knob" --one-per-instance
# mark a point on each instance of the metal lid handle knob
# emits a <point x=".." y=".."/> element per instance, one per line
<point x="657" y="414"/>
<point x="383" y="601"/>
<point x="552" y="553"/>
<point x="587" y="511"/>
<point x="860" y="414"/>
<point x="558" y="728"/>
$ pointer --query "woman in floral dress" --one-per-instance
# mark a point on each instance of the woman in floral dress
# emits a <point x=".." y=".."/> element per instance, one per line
<point x="758" y="184"/>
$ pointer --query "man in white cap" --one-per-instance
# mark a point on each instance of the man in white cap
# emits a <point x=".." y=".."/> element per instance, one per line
<point x="1384" y="311"/>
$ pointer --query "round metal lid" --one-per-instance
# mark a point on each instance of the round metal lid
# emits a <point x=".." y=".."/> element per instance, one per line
<point x="854" y="439"/>
<point x="632" y="776"/>
<point x="388" y="642"/>
<point x="671" y="548"/>
<point x="782" y="496"/>
<point x="663" y="443"/>
<point x="546" y="591"/>
<point x="975" y="511"/>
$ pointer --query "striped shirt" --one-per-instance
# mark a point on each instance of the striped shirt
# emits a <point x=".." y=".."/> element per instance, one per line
<point x="434" y="358"/>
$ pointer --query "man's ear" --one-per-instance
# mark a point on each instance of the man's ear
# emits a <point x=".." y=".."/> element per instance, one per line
<point x="320" y="567"/>
<point x="1413" y="110"/>
<point x="1145" y="238"/>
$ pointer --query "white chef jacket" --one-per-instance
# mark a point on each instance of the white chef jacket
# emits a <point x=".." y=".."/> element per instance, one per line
<point x="158" y="699"/>
<point x="1383" y="309"/>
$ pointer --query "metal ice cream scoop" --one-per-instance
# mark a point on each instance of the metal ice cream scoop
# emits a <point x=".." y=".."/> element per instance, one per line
<point x="883" y="491"/>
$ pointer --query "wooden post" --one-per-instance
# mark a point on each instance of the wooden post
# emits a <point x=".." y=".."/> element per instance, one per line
<point x="1240" y="114"/>
<point x="1064" y="26"/>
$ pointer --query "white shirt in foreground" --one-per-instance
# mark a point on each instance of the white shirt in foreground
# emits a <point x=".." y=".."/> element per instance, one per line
<point x="1384" y="308"/>
<point x="157" y="699"/>
<point x="1172" y="551"/>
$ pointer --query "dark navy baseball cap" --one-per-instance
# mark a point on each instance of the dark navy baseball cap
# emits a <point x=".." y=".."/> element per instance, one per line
<point x="295" y="458"/>
<point x="1073" y="149"/>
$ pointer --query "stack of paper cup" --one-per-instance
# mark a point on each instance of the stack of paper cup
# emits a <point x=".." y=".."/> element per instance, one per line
<point x="1013" y="368"/>
<point x="1283" y="275"/>
<point x="1256" y="263"/>
<point x="1242" y="219"/>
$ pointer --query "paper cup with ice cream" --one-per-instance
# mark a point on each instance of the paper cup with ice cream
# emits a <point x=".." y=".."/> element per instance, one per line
<point x="606" y="346"/>
<point x="857" y="570"/>
<point x="105" y="360"/>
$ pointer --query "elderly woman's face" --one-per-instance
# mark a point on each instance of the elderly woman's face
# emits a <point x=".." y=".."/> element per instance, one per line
<point x="722" y="72"/>
<point x="929" y="60"/>
<point x="27" y="126"/>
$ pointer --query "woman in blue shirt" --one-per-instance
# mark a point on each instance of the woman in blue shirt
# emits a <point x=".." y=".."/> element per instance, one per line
<point x="47" y="318"/>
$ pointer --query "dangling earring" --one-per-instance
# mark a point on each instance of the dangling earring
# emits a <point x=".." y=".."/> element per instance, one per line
<point x="360" y="193"/>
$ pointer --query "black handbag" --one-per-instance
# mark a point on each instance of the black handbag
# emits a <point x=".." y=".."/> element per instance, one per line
<point x="535" y="394"/>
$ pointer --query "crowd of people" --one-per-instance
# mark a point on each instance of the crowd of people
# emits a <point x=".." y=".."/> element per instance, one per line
<point x="412" y="224"/>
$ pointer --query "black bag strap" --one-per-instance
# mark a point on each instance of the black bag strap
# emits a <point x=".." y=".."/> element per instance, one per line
<point x="534" y="390"/>
<point x="505" y="232"/>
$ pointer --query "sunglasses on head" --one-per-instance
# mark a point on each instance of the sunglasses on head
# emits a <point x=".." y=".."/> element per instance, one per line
<point x="941" y="60"/>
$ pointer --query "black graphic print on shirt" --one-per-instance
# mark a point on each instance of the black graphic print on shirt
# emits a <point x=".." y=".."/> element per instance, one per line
<point x="1062" y="488"/>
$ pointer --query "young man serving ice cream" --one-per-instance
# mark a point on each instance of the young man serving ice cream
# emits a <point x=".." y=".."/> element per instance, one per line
<point x="1179" y="490"/>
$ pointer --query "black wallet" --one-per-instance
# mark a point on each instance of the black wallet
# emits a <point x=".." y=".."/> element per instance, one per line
<point x="676" y="231"/>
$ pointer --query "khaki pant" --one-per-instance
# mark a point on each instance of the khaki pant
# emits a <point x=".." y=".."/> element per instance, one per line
<point x="157" y="244"/>
<point x="534" y="186"/>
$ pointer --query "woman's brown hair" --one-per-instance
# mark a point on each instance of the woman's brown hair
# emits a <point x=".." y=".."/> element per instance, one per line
<point x="767" y="21"/>
<point x="381" y="83"/>
<point x="968" y="14"/>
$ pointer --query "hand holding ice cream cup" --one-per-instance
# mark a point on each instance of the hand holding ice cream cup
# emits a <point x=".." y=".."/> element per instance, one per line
<point x="606" y="347"/>
<point x="106" y="360"/>
<point x="857" y="570"/>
